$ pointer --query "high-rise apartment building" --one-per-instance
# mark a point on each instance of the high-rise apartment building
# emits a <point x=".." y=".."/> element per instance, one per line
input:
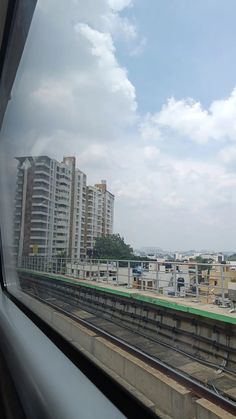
<point x="99" y="213"/>
<point x="93" y="221"/>
<point x="76" y="248"/>
<point x="55" y="213"/>
<point x="50" y="208"/>
<point x="107" y="208"/>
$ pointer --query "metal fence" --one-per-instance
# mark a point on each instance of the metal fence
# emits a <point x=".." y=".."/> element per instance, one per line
<point x="209" y="283"/>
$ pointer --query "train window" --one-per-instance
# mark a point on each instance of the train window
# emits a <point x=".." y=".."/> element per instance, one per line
<point x="120" y="127"/>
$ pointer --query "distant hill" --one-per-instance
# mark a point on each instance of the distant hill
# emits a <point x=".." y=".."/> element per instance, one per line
<point x="232" y="257"/>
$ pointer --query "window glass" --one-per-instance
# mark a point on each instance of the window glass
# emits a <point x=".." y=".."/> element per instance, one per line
<point x="109" y="109"/>
<point x="118" y="153"/>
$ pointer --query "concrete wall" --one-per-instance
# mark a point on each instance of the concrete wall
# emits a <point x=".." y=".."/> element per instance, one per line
<point x="161" y="393"/>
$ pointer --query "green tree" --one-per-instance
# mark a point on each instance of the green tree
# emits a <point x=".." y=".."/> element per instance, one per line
<point x="62" y="254"/>
<point x="201" y="268"/>
<point x="200" y="259"/>
<point x="232" y="257"/>
<point x="60" y="265"/>
<point x="112" y="247"/>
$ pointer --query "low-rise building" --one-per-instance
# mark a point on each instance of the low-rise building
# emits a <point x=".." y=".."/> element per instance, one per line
<point x="220" y="275"/>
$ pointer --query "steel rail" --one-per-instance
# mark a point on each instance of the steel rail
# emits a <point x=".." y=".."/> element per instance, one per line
<point x="200" y="360"/>
<point x="221" y="367"/>
<point x="195" y="386"/>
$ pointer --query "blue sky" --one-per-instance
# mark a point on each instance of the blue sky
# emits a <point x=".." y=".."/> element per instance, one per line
<point x="190" y="50"/>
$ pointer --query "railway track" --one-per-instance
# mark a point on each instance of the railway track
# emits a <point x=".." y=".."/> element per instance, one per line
<point x="155" y="353"/>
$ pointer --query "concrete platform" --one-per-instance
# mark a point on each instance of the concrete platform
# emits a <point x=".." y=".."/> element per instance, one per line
<point x="178" y="303"/>
<point x="184" y="304"/>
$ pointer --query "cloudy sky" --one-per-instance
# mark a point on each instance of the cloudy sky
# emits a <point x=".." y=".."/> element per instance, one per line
<point x="143" y="93"/>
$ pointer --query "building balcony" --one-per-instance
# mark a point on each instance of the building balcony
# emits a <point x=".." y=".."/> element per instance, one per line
<point x="39" y="174"/>
<point x="41" y="181"/>
<point x="64" y="209"/>
<point x="64" y="179"/>
<point x="63" y="203"/>
<point x="64" y="218"/>
<point x="40" y="188"/>
<point x="40" y="246"/>
<point x="60" y="236"/>
<point x="41" y="169"/>
<point x="42" y="163"/>
<point x="39" y="218"/>
<point x="18" y="194"/>
<point x="38" y="212"/>
<point x="60" y="240"/>
<point x="63" y="186"/>
<point x="39" y="229"/>
<point x="40" y="222"/>
<point x="18" y="198"/>
<point x="63" y="198"/>
<point x="40" y="178"/>
<point x="37" y="240"/>
<point x="41" y="199"/>
<point x="61" y="229"/>
<point x="40" y="233"/>
<point x="61" y="223"/>
<point x="61" y="220"/>
<point x="60" y="245"/>
<point x="41" y="203"/>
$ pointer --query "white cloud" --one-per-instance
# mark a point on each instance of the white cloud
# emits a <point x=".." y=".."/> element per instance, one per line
<point x="172" y="200"/>
<point x="138" y="48"/>
<point x="187" y="119"/>
<point x="120" y="27"/>
<point x="149" y="129"/>
<point x="151" y="152"/>
<point x="76" y="78"/>
<point x="174" y="203"/>
<point x="118" y="5"/>
<point x="54" y="94"/>
<point x="115" y="77"/>
<point x="85" y="92"/>
<point x="227" y="156"/>
<point x="133" y="193"/>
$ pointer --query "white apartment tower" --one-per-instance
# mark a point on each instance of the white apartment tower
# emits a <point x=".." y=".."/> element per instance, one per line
<point x="99" y="213"/>
<point x="77" y="210"/>
<point x="50" y="208"/>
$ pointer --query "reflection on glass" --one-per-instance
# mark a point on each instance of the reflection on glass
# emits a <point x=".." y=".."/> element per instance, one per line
<point x="102" y="83"/>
